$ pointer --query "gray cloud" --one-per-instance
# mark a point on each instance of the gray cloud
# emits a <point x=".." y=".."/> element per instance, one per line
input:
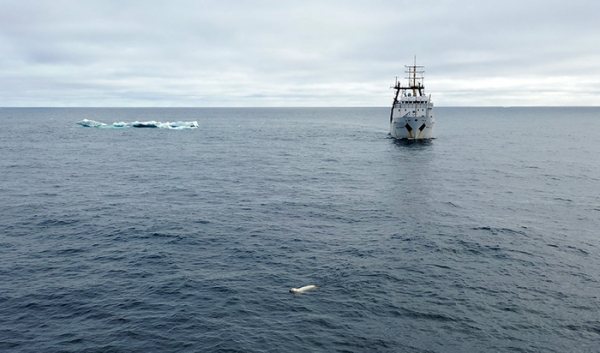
<point x="309" y="53"/>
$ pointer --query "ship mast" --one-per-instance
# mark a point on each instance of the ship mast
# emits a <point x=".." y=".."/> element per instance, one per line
<point x="414" y="77"/>
<point x="414" y="81"/>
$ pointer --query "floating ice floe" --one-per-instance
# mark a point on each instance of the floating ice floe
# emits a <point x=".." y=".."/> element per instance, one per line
<point x="91" y="123"/>
<point x="179" y="125"/>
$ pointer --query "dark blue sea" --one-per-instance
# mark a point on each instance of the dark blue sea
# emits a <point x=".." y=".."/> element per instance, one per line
<point x="485" y="239"/>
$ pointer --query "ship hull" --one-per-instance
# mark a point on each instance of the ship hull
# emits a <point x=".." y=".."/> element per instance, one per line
<point x="412" y="128"/>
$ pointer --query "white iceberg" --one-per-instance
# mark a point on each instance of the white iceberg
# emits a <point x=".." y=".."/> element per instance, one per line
<point x="91" y="123"/>
<point x="179" y="125"/>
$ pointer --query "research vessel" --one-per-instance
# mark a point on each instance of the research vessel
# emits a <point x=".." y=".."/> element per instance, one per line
<point x="412" y="111"/>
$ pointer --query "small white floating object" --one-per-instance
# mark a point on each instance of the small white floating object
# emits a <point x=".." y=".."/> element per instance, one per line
<point x="303" y="289"/>
<point x="90" y="123"/>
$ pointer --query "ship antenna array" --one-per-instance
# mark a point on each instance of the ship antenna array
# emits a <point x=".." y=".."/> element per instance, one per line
<point x="415" y="76"/>
<point x="414" y="73"/>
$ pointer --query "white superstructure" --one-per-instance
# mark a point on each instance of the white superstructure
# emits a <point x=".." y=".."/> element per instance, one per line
<point x="412" y="111"/>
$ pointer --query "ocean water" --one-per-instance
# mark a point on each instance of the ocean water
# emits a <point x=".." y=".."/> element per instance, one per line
<point x="484" y="239"/>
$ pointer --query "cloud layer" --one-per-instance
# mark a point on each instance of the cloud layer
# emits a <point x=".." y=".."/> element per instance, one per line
<point x="299" y="53"/>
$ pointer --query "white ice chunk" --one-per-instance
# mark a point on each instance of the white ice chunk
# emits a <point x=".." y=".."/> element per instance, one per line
<point x="90" y="123"/>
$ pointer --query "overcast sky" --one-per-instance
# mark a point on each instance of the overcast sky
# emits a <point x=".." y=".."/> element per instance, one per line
<point x="296" y="53"/>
